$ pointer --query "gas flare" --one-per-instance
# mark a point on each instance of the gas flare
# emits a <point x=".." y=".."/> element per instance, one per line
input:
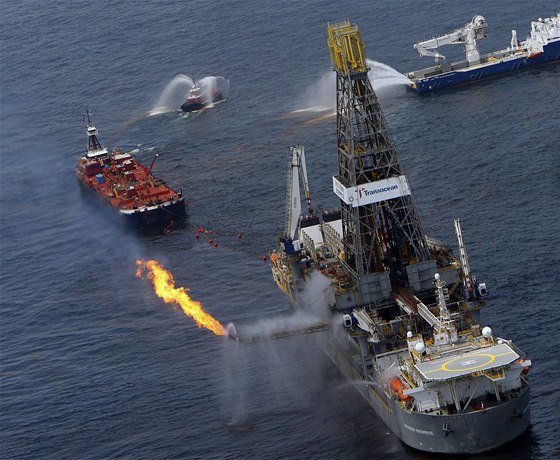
<point x="164" y="287"/>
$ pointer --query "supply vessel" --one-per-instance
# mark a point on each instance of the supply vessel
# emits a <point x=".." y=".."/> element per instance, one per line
<point x="404" y="312"/>
<point x="542" y="45"/>
<point x="121" y="182"/>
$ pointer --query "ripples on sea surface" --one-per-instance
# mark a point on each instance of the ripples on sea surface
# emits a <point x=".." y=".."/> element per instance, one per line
<point x="95" y="366"/>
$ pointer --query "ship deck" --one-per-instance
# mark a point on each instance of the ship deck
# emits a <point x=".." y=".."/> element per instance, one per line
<point x="463" y="65"/>
<point x="451" y="367"/>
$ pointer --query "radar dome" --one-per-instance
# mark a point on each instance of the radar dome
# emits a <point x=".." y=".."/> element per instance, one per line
<point x="436" y="276"/>
<point x="409" y="334"/>
<point x="420" y="348"/>
<point x="487" y="332"/>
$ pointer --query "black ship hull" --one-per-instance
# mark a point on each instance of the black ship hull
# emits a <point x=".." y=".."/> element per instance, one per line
<point x="156" y="216"/>
<point x="193" y="106"/>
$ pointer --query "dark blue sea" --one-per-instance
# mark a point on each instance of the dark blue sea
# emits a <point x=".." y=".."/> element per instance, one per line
<point x="94" y="365"/>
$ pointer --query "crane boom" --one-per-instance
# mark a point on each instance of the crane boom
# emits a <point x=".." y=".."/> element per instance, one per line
<point x="468" y="280"/>
<point x="467" y="35"/>
<point x="293" y="203"/>
<point x="303" y="170"/>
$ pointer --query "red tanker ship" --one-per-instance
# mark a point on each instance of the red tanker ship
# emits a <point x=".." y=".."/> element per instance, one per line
<point x="123" y="183"/>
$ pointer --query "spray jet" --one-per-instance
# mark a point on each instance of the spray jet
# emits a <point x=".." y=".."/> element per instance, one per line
<point x="231" y="332"/>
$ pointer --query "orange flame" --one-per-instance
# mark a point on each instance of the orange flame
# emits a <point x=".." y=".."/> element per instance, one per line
<point x="164" y="287"/>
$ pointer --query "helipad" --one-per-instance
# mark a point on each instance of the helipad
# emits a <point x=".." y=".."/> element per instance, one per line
<point x="477" y="360"/>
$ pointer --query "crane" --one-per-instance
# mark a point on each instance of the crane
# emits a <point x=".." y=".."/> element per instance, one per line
<point x="467" y="35"/>
<point x="296" y="168"/>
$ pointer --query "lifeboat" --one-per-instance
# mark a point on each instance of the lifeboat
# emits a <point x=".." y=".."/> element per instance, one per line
<point x="398" y="387"/>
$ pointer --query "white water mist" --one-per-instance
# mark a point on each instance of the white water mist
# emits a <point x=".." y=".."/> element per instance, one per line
<point x="173" y="94"/>
<point x="321" y="96"/>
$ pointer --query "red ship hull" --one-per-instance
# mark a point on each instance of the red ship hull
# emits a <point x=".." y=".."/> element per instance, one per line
<point x="128" y="187"/>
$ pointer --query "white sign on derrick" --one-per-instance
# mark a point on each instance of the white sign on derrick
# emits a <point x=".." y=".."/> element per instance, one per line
<point x="372" y="192"/>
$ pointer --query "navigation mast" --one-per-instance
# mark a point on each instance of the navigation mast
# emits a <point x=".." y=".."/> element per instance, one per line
<point x="94" y="148"/>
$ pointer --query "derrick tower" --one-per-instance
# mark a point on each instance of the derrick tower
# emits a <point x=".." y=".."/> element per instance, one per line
<point x="383" y="241"/>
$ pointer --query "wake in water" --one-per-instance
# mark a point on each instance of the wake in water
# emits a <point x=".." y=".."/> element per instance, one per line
<point x="321" y="97"/>
<point x="177" y="90"/>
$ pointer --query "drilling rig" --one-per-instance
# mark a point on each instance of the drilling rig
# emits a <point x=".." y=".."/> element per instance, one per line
<point x="384" y="244"/>
<point x="374" y="243"/>
<point x="403" y="311"/>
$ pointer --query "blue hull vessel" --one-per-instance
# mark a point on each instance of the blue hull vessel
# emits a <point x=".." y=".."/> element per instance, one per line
<point x="542" y="46"/>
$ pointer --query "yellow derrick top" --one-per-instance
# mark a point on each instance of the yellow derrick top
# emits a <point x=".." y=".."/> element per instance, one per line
<point x="347" y="49"/>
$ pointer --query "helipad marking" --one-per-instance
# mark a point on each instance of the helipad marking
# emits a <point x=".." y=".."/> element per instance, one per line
<point x="491" y="359"/>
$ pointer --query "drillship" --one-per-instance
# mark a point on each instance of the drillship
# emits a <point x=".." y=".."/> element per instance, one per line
<point x="404" y="313"/>
<point x="141" y="199"/>
<point x="542" y="45"/>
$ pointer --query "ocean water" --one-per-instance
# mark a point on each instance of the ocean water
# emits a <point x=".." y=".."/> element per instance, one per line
<point x="94" y="365"/>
